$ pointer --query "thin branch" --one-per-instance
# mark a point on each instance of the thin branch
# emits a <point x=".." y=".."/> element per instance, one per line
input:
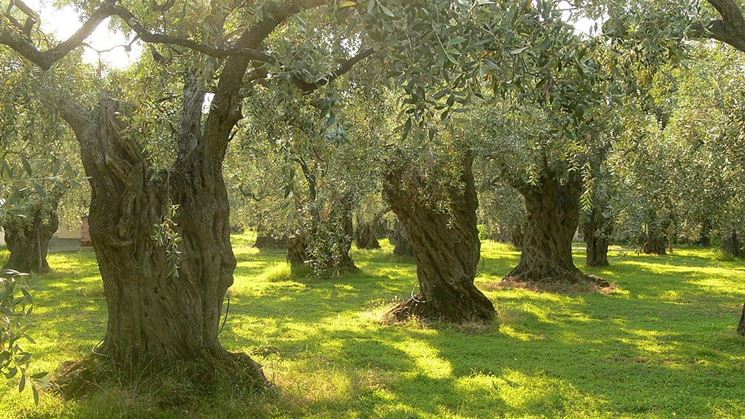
<point x="344" y="67"/>
<point x="156" y="38"/>
<point x="45" y="59"/>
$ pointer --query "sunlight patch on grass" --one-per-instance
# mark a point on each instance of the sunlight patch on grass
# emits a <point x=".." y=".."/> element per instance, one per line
<point x="662" y="345"/>
<point x="427" y="359"/>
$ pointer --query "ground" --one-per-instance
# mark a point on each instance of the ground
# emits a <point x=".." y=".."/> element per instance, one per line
<point x="663" y="344"/>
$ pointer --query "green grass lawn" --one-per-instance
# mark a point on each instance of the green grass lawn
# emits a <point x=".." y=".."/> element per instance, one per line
<point x="662" y="345"/>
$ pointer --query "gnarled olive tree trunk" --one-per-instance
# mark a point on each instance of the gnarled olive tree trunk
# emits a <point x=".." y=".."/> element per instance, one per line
<point x="655" y="241"/>
<point x="553" y="217"/>
<point x="163" y="306"/>
<point x="597" y="230"/>
<point x="27" y="235"/>
<point x="446" y="247"/>
<point x="324" y="242"/>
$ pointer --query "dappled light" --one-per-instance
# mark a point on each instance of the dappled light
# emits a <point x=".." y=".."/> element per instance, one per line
<point x="323" y="344"/>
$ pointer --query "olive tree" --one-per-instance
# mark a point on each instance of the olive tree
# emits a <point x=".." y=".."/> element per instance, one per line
<point x="165" y="290"/>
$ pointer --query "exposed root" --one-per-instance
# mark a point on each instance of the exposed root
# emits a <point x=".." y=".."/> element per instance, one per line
<point x="567" y="282"/>
<point x="418" y="309"/>
<point x="174" y="383"/>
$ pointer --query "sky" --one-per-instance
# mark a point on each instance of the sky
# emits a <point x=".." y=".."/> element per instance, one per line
<point x="63" y="22"/>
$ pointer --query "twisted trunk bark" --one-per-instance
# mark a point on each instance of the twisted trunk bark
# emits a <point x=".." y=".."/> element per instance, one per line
<point x="164" y="285"/>
<point x="447" y="250"/>
<point x="28" y="236"/>
<point x="553" y="217"/>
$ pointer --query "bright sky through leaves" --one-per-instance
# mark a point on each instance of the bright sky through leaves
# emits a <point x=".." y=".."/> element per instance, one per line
<point x="63" y="22"/>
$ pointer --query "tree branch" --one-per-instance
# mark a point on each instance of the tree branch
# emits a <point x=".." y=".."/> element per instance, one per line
<point x="344" y="67"/>
<point x="45" y="59"/>
<point x="156" y="38"/>
<point x="731" y="28"/>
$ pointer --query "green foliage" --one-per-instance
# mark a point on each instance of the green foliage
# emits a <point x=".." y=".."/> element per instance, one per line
<point x="39" y="160"/>
<point x="16" y="305"/>
<point x="166" y="236"/>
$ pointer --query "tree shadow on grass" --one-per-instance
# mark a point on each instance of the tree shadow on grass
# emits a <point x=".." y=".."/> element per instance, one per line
<point x="663" y="346"/>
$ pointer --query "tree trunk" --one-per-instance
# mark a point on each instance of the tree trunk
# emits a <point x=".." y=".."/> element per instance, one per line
<point x="268" y="241"/>
<point x="346" y="263"/>
<point x="325" y="241"/>
<point x="446" y="246"/>
<point x="400" y="239"/>
<point x="297" y="254"/>
<point x="655" y="241"/>
<point x="164" y="285"/>
<point x="597" y="231"/>
<point x="553" y="217"/>
<point x="731" y="246"/>
<point x="517" y="235"/>
<point x="741" y="325"/>
<point x="365" y="236"/>
<point x="28" y="236"/>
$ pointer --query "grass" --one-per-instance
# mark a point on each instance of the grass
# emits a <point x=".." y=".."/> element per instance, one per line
<point x="661" y="345"/>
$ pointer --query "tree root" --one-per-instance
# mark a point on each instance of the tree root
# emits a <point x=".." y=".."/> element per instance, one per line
<point x="561" y="281"/>
<point x="173" y="383"/>
<point x="416" y="308"/>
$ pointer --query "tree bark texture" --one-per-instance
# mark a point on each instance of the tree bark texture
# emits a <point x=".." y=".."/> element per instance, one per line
<point x="446" y="246"/>
<point x="741" y="325"/>
<point x="27" y="236"/>
<point x="553" y="217"/>
<point x="162" y="307"/>
<point x="655" y="242"/>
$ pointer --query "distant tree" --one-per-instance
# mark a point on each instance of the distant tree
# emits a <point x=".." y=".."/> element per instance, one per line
<point x="39" y="165"/>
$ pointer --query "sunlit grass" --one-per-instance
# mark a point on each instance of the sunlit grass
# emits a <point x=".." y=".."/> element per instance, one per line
<point x="662" y="344"/>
